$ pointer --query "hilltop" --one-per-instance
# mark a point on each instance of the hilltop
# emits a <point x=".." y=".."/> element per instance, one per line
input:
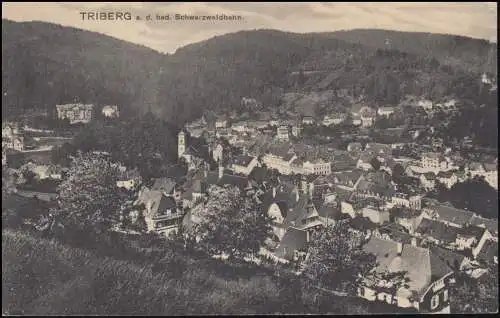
<point x="45" y="64"/>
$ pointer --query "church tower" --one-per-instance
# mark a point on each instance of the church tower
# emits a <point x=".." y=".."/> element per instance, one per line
<point x="181" y="144"/>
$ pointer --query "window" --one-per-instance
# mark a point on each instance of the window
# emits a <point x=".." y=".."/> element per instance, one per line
<point x="434" y="301"/>
<point x="362" y="291"/>
<point x="445" y="295"/>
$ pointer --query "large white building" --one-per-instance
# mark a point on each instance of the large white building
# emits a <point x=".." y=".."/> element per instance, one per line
<point x="282" y="133"/>
<point x="317" y="166"/>
<point x="75" y="113"/>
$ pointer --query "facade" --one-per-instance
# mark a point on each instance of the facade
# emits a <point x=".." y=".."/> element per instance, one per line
<point x="413" y="202"/>
<point x="319" y="167"/>
<point x="111" y="111"/>
<point x="218" y="153"/>
<point x="307" y="120"/>
<point x="282" y="133"/>
<point x="14" y="142"/>
<point x="244" y="164"/>
<point x="181" y="144"/>
<point x="429" y="277"/>
<point x="75" y="113"/>
<point x="385" y="111"/>
<point x="297" y="130"/>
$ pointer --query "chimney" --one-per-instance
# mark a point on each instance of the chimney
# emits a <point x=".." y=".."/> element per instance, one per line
<point x="274" y="192"/>
<point x="307" y="236"/>
<point x="221" y="171"/>
<point x="400" y="248"/>
<point x="414" y="241"/>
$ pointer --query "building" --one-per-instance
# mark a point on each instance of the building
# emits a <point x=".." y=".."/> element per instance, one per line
<point x="244" y="164"/>
<point x="218" y="153"/>
<point x="334" y="119"/>
<point x="280" y="162"/>
<point x="432" y="160"/>
<point x="297" y="130"/>
<point x="425" y="104"/>
<point x="317" y="166"/>
<point x="293" y="246"/>
<point x="428" y="180"/>
<point x="308" y="120"/>
<point x="14" y="142"/>
<point x="354" y="147"/>
<point x="160" y="211"/>
<point x="9" y="129"/>
<point x="409" y="201"/>
<point x="448" y="178"/>
<point x="282" y="133"/>
<point x="181" y="144"/>
<point x="375" y="215"/>
<point x="75" y="113"/>
<point x="385" y="111"/>
<point x="221" y="122"/>
<point x="110" y="111"/>
<point x="368" y="116"/>
<point x="429" y="277"/>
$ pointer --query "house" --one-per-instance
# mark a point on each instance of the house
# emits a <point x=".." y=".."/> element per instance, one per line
<point x="405" y="200"/>
<point x="221" y="122"/>
<point x="425" y="104"/>
<point x="428" y="180"/>
<point x="456" y="261"/>
<point x="438" y="232"/>
<point x="433" y="161"/>
<point x="368" y="116"/>
<point x="448" y="178"/>
<point x="356" y="109"/>
<point x="449" y="215"/>
<point x="223" y="177"/>
<point x="111" y="111"/>
<point x="375" y="215"/>
<point x="356" y="120"/>
<point x="282" y="133"/>
<point x="317" y="166"/>
<point x="15" y="142"/>
<point x="364" y="161"/>
<point x="378" y="149"/>
<point x="244" y="164"/>
<point x="168" y="187"/>
<point x="490" y="224"/>
<point x="75" y="113"/>
<point x="9" y="129"/>
<point x="293" y="246"/>
<point x="279" y="161"/>
<point x="385" y="111"/>
<point x="129" y="179"/>
<point x="308" y="120"/>
<point x="429" y="277"/>
<point x="329" y="212"/>
<point x="396" y="233"/>
<point x="290" y="207"/>
<point x="469" y="237"/>
<point x="297" y="130"/>
<point x="160" y="211"/>
<point x="489" y="252"/>
<point x="354" y="147"/>
<point x="334" y="119"/>
<point x="218" y="153"/>
<point x="348" y="179"/>
<point x="487" y="170"/>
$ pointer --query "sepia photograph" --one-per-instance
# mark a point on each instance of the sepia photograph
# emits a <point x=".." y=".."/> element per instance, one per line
<point x="249" y="158"/>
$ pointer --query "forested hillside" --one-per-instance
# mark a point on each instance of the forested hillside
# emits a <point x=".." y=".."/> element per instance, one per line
<point x="45" y="64"/>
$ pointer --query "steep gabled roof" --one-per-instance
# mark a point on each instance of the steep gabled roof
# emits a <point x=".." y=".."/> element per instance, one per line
<point x="294" y="239"/>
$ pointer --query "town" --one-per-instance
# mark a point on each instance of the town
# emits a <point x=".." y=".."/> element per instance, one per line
<point x="385" y="172"/>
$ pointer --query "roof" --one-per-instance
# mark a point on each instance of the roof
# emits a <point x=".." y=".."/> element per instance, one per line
<point x="356" y="108"/>
<point x="347" y="177"/>
<point x="421" y="265"/>
<point x="447" y="256"/>
<point x="157" y="200"/>
<point x="489" y="251"/>
<point x="227" y="179"/>
<point x="445" y="174"/>
<point x="438" y="230"/>
<point x="490" y="167"/>
<point x="490" y="224"/>
<point x="329" y="211"/>
<point x="176" y="172"/>
<point x="164" y="184"/>
<point x="294" y="239"/>
<point x="429" y="175"/>
<point x="472" y="231"/>
<point x="77" y="105"/>
<point x="243" y="160"/>
<point x="453" y="215"/>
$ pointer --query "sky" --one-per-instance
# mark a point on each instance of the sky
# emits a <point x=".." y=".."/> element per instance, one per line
<point x="474" y="19"/>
